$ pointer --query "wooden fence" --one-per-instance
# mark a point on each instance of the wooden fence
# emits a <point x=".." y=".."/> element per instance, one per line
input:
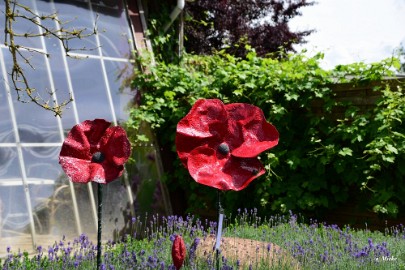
<point x="361" y="94"/>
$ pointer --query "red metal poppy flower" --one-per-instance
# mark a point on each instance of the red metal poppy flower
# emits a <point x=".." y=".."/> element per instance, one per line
<point x="178" y="251"/>
<point x="219" y="144"/>
<point x="94" y="151"/>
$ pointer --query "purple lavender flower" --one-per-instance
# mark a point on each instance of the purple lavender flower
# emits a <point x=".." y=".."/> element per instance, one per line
<point x="268" y="247"/>
<point x="192" y="251"/>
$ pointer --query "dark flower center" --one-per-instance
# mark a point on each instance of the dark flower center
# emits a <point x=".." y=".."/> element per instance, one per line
<point x="98" y="157"/>
<point x="223" y="148"/>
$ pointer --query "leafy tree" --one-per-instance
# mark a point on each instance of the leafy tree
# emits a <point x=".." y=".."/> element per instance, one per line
<point x="232" y="24"/>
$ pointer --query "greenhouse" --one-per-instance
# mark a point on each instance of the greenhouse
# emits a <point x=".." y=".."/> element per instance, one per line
<point x="38" y="204"/>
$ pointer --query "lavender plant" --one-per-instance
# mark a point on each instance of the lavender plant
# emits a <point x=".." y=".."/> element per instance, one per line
<point x="277" y="242"/>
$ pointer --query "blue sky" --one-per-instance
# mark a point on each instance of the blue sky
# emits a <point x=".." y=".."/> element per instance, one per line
<point x="349" y="31"/>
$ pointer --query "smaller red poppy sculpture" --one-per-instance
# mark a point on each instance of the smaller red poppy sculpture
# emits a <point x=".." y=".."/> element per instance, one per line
<point x="94" y="151"/>
<point x="219" y="143"/>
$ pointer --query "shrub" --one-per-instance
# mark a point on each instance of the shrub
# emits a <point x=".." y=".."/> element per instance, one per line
<point x="320" y="161"/>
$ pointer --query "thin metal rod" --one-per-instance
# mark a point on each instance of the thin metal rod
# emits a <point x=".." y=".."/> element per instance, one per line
<point x="219" y="231"/>
<point x="99" y="227"/>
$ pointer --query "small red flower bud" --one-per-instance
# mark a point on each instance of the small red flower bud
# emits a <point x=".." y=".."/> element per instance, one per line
<point x="178" y="251"/>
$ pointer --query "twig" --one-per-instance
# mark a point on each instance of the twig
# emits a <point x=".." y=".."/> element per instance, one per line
<point x="19" y="79"/>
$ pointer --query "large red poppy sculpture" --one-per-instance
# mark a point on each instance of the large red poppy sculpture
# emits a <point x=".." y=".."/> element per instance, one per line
<point x="94" y="151"/>
<point x="219" y="143"/>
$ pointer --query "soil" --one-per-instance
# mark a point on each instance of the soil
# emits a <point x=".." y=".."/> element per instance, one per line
<point x="247" y="252"/>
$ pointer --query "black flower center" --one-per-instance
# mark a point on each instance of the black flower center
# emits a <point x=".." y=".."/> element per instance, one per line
<point x="98" y="157"/>
<point x="223" y="148"/>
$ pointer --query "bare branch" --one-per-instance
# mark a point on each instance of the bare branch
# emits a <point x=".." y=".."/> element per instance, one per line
<point x="20" y="82"/>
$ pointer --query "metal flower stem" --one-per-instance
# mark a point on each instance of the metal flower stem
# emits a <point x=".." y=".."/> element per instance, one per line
<point x="219" y="230"/>
<point x="99" y="217"/>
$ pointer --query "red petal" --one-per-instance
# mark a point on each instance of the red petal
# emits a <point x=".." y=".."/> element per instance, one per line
<point x="178" y="251"/>
<point x="204" y="124"/>
<point x="206" y="119"/>
<point x="83" y="171"/>
<point x="94" y="131"/>
<point x="83" y="139"/>
<point x="76" y="145"/>
<point x="115" y="146"/>
<point x="111" y="172"/>
<point x="184" y="145"/>
<point x="243" y="171"/>
<point x="224" y="173"/>
<point x="257" y="135"/>
<point x="76" y="169"/>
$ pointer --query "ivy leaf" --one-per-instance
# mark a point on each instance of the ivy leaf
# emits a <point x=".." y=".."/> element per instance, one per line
<point x="169" y="95"/>
<point x="389" y="159"/>
<point x="391" y="149"/>
<point x="291" y="96"/>
<point x="345" y="151"/>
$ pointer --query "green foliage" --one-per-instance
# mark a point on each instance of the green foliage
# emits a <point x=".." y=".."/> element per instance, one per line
<point x="320" y="161"/>
<point x="377" y="139"/>
<point x="164" y="43"/>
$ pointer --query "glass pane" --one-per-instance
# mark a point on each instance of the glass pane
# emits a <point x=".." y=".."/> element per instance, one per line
<point x="76" y="15"/>
<point x="47" y="8"/>
<point x="22" y="26"/>
<point x="42" y="162"/>
<point x="9" y="165"/>
<point x="118" y="74"/>
<point x="13" y="207"/>
<point x="113" y="31"/>
<point x="60" y="80"/>
<point x="35" y="124"/>
<point x="6" y="129"/>
<point x="62" y="206"/>
<point x="14" y="215"/>
<point x="115" y="209"/>
<point x="89" y="89"/>
<point x="144" y="179"/>
<point x="2" y="17"/>
<point x="85" y="208"/>
<point x="49" y="190"/>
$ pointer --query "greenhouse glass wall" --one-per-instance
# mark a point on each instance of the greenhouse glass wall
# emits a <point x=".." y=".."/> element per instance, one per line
<point x="38" y="204"/>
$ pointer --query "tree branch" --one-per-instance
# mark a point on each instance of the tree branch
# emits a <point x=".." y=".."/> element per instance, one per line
<point x="19" y="79"/>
